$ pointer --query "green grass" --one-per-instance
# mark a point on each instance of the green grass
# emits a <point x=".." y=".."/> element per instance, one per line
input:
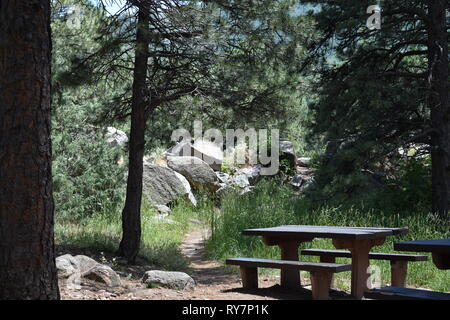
<point x="272" y="204"/>
<point x="160" y="241"/>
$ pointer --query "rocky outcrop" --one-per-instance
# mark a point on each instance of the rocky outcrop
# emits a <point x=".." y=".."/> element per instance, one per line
<point x="181" y="149"/>
<point x="223" y="177"/>
<point x="253" y="173"/>
<point x="184" y="160"/>
<point x="74" y="268"/>
<point x="196" y="171"/>
<point x="207" y="151"/>
<point x="162" y="185"/>
<point x="241" y="181"/>
<point x="187" y="188"/>
<point x="168" y="279"/>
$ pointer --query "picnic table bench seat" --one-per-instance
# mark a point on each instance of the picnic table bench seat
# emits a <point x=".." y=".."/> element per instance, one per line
<point x="398" y="293"/>
<point x="399" y="261"/>
<point x="321" y="273"/>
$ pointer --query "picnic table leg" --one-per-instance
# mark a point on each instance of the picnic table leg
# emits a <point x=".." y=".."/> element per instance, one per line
<point x="320" y="283"/>
<point x="441" y="260"/>
<point x="360" y="261"/>
<point x="290" y="277"/>
<point x="327" y="259"/>
<point x="249" y="277"/>
<point x="399" y="269"/>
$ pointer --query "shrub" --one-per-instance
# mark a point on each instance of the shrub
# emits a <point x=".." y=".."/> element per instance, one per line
<point x="86" y="175"/>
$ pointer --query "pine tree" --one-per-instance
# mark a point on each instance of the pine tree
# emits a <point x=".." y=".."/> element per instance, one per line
<point x="241" y="58"/>
<point x="379" y="89"/>
<point x="131" y="214"/>
<point x="27" y="260"/>
<point x="86" y="177"/>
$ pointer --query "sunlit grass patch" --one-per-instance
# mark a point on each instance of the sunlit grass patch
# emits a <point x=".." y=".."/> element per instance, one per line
<point x="272" y="204"/>
<point x="160" y="239"/>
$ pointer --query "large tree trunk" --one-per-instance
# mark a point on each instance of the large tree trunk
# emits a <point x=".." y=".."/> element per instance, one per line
<point x="439" y="105"/>
<point x="131" y="214"/>
<point x="27" y="262"/>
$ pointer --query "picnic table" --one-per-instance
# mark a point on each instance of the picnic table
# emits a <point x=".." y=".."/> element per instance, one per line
<point x="440" y="249"/>
<point x="359" y="240"/>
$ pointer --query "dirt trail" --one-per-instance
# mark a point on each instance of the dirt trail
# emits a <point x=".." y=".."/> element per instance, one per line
<point x="213" y="283"/>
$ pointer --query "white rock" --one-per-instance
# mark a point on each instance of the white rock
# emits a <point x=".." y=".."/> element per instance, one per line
<point x="169" y="279"/>
<point x="104" y="274"/>
<point x="196" y="171"/>
<point x="241" y="181"/>
<point x="66" y="265"/>
<point x="116" y="137"/>
<point x="162" y="185"/>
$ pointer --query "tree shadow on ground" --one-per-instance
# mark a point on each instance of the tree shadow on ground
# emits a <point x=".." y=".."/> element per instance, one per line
<point x="278" y="292"/>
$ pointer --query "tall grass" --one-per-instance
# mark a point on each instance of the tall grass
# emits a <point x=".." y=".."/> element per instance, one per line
<point x="272" y="204"/>
<point x="159" y="242"/>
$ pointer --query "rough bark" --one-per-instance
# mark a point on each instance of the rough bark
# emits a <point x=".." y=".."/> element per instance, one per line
<point x="131" y="214"/>
<point x="438" y="100"/>
<point x="27" y="262"/>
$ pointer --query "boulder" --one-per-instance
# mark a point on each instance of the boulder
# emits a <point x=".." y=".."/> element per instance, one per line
<point x="181" y="149"/>
<point x="253" y="173"/>
<point x="307" y="183"/>
<point x="162" y="185"/>
<point x="187" y="188"/>
<point x="169" y="279"/>
<point x="304" y="162"/>
<point x="66" y="265"/>
<point x="241" y="181"/>
<point x="207" y="151"/>
<point x="196" y="171"/>
<point x="287" y="152"/>
<point x="297" y="181"/>
<point x="116" y="137"/>
<point x="104" y="274"/>
<point x="80" y="266"/>
<point x="84" y="263"/>
<point x="162" y="209"/>
<point x="304" y="171"/>
<point x="223" y="177"/>
<point x="225" y="189"/>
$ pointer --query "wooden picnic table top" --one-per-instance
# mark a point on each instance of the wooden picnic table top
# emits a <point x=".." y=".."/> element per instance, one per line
<point x="299" y="231"/>
<point x="437" y="245"/>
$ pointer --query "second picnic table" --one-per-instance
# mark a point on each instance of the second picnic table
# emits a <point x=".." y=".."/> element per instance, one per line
<point x="359" y="240"/>
<point x="440" y="249"/>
